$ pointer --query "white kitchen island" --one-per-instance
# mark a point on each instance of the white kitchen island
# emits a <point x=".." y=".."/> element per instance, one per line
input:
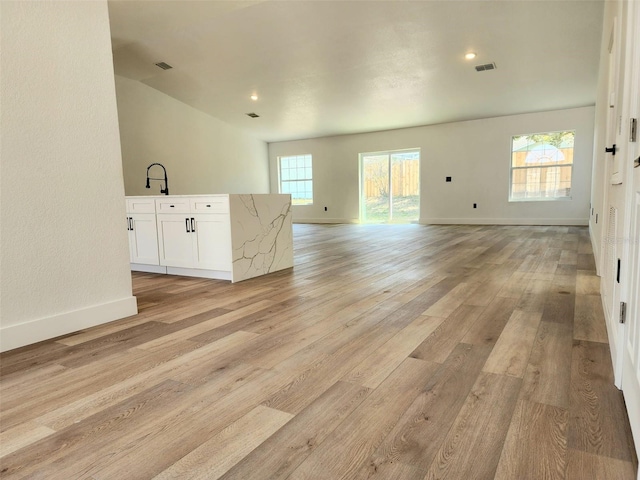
<point x="228" y="237"/>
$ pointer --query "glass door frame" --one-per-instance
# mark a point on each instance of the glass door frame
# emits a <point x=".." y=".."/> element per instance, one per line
<point x="361" y="180"/>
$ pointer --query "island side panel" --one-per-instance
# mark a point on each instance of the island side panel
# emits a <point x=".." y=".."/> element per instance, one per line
<point x="261" y="234"/>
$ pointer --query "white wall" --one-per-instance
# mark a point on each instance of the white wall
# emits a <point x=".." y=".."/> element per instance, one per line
<point x="598" y="217"/>
<point x="475" y="153"/>
<point x="64" y="258"/>
<point x="201" y="153"/>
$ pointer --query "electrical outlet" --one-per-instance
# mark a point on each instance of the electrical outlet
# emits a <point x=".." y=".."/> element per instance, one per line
<point x="475" y="205"/>
<point x="447" y="179"/>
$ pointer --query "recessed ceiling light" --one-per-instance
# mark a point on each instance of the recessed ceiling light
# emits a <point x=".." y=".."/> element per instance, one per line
<point x="254" y="97"/>
<point x="470" y="56"/>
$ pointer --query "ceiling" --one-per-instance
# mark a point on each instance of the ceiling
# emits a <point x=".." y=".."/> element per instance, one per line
<point x="337" y="67"/>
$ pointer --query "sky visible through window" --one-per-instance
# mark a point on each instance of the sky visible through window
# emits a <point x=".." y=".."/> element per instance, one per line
<point x="296" y="178"/>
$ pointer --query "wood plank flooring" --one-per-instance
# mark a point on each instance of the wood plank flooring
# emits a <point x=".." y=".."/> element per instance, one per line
<point x="389" y="352"/>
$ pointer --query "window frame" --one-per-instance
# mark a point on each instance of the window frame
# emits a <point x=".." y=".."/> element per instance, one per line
<point x="296" y="201"/>
<point x="361" y="181"/>
<point x="512" y="169"/>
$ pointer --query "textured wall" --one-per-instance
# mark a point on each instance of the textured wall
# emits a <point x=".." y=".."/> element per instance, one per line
<point x="202" y="154"/>
<point x="476" y="154"/>
<point x="64" y="244"/>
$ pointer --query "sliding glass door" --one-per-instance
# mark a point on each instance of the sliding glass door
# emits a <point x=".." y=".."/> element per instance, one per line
<point x="390" y="186"/>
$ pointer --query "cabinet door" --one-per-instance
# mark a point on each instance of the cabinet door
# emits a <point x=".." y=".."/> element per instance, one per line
<point x="212" y="241"/>
<point x="143" y="239"/>
<point x="175" y="240"/>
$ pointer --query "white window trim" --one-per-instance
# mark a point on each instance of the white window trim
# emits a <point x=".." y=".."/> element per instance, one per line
<point x="280" y="180"/>
<point x="512" y="168"/>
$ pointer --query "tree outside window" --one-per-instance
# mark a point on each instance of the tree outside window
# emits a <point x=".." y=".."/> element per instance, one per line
<point x="541" y="166"/>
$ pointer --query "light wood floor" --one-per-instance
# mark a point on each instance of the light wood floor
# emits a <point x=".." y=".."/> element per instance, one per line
<point x="389" y="352"/>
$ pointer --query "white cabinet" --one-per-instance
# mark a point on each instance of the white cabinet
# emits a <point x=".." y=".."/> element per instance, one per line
<point x="194" y="235"/>
<point x="175" y="240"/>
<point x="212" y="241"/>
<point x="141" y="205"/>
<point x="191" y="239"/>
<point x="143" y="238"/>
<point x="173" y="205"/>
<point x="141" y="227"/>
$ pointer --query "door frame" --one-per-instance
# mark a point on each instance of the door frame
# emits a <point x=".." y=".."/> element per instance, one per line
<point x="614" y="97"/>
<point x="361" y="179"/>
<point x="614" y="193"/>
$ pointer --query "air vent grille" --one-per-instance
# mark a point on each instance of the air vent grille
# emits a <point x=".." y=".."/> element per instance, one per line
<point x="253" y="115"/>
<point x="486" y="66"/>
<point x="163" y="65"/>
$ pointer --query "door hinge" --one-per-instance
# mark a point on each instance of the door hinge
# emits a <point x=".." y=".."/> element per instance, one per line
<point x="623" y="312"/>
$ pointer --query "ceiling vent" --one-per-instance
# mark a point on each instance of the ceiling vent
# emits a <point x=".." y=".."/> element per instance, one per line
<point x="253" y="115"/>
<point x="164" y="66"/>
<point x="486" y="66"/>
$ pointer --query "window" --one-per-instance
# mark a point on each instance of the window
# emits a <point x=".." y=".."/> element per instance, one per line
<point x="390" y="186"/>
<point x="296" y="178"/>
<point x="541" y="166"/>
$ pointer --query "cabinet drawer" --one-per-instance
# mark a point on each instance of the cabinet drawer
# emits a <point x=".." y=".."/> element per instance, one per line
<point x="218" y="204"/>
<point x="172" y="205"/>
<point x="141" y="205"/>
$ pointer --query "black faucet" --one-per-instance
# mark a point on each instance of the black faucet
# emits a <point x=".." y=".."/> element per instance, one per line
<point x="164" y="190"/>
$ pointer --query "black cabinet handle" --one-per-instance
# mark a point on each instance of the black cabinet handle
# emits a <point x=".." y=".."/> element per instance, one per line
<point x="187" y="223"/>
<point x="131" y="223"/>
<point x="193" y="225"/>
<point x="128" y="224"/>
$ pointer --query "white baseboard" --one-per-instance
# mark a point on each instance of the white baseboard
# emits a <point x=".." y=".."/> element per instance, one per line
<point x="615" y="335"/>
<point x="631" y="393"/>
<point x="505" y="221"/>
<point x="139" y="267"/>
<point x="14" y="336"/>
<point x="581" y="222"/>
<point x="326" y="220"/>
<point x="196" y="272"/>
